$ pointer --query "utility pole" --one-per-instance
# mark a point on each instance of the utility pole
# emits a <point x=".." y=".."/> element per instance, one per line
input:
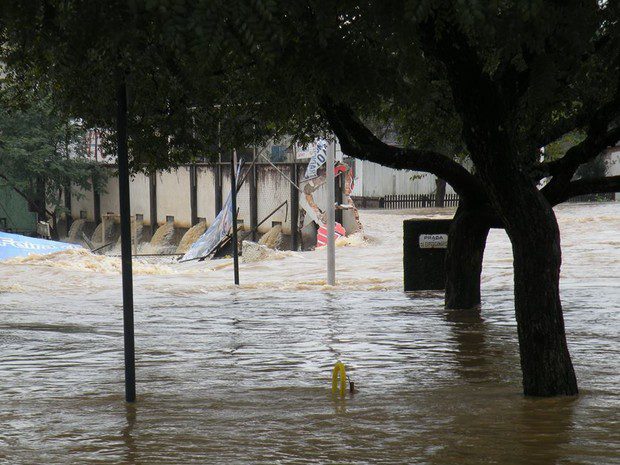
<point x="123" y="188"/>
<point x="233" y="197"/>
<point x="331" y="227"/>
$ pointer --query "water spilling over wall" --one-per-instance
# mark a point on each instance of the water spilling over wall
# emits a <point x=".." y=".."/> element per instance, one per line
<point x="272" y="238"/>
<point x="191" y="236"/>
<point x="164" y="240"/>
<point x="105" y="232"/>
<point x="75" y="232"/>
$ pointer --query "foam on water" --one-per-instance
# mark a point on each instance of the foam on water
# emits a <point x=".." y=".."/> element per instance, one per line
<point x="83" y="260"/>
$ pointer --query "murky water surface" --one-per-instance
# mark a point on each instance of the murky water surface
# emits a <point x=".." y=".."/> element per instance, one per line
<point x="242" y="375"/>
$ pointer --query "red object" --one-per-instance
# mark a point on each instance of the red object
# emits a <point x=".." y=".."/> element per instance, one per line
<point x="321" y="236"/>
<point x="339" y="169"/>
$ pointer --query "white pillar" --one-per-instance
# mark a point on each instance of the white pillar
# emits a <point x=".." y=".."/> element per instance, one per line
<point x="331" y="215"/>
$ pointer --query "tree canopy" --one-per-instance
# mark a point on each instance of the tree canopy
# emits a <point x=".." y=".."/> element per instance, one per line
<point x="43" y="153"/>
<point x="493" y="80"/>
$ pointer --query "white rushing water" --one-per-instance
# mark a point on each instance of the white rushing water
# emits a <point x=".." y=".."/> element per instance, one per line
<point x="242" y="375"/>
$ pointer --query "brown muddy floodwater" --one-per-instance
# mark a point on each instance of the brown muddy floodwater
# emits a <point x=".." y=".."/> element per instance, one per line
<point x="229" y="376"/>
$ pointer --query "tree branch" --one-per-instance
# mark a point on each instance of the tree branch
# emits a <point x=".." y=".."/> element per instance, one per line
<point x="358" y="141"/>
<point x="590" y="186"/>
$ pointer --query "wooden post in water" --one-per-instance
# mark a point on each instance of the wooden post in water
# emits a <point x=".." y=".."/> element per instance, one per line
<point x="233" y="197"/>
<point x="123" y="189"/>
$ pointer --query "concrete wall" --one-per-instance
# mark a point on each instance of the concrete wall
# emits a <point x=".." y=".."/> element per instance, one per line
<point x="206" y="192"/>
<point x="173" y="193"/>
<point x="109" y="199"/>
<point x="613" y="165"/>
<point x="272" y="190"/>
<point x="139" y="191"/>
<point x="173" y="197"/>
<point x="82" y="200"/>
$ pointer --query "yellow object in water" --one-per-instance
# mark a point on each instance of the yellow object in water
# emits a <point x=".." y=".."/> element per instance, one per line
<point x="339" y="372"/>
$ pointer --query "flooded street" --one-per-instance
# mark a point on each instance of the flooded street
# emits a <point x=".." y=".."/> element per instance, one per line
<point x="243" y="375"/>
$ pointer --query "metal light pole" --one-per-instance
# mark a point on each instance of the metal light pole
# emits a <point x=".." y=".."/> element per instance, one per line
<point x="331" y="214"/>
<point x="123" y="188"/>
<point x="233" y="197"/>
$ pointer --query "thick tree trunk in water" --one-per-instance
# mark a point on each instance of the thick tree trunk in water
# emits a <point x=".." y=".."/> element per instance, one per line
<point x="533" y="230"/>
<point x="466" y="242"/>
<point x="545" y="360"/>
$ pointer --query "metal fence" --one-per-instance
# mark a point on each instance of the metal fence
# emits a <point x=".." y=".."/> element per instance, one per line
<point x="593" y="198"/>
<point x="416" y="201"/>
<point x="402" y="201"/>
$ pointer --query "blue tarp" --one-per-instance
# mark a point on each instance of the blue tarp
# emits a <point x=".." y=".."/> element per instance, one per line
<point x="15" y="245"/>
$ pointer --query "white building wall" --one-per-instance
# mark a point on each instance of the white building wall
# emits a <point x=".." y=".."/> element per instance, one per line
<point x="206" y="193"/>
<point x="613" y="166"/>
<point x="110" y="198"/>
<point x="82" y="201"/>
<point x="373" y="180"/>
<point x="272" y="189"/>
<point x="173" y="197"/>
<point x="139" y="196"/>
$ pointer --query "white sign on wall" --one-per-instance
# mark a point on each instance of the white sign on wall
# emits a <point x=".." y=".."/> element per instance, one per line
<point x="433" y="241"/>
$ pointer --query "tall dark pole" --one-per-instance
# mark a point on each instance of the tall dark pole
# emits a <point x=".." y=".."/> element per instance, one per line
<point x="153" y="202"/>
<point x="253" y="197"/>
<point x="294" y="206"/>
<point x="123" y="189"/>
<point x="233" y="196"/>
<point x="193" y="193"/>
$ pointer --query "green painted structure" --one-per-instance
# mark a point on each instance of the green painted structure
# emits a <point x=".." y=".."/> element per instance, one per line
<point x="14" y="214"/>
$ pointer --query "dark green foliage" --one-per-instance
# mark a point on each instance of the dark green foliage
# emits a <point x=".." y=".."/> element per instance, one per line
<point x="41" y="153"/>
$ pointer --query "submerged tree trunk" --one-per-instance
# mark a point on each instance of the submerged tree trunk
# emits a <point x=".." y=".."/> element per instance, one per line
<point x="533" y="231"/>
<point x="545" y="360"/>
<point x="466" y="242"/>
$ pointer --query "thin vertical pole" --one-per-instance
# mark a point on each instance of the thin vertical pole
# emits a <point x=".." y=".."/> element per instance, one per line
<point x="233" y="196"/>
<point x="339" y="198"/>
<point x="253" y="196"/>
<point x="218" y="173"/>
<point x="331" y="227"/>
<point x="123" y="188"/>
<point x="294" y="206"/>
<point x="153" y="202"/>
<point x="96" y="202"/>
<point x="193" y="193"/>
